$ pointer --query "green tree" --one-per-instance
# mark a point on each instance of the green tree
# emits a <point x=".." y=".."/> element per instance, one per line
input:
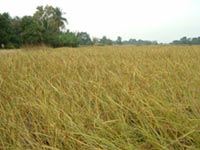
<point x="31" y="31"/>
<point x="84" y="38"/>
<point x="6" y="31"/>
<point x="119" y="40"/>
<point x="95" y="41"/>
<point x="195" y="41"/>
<point x="52" y="21"/>
<point x="105" y="41"/>
<point x="184" y="40"/>
<point x="66" y="39"/>
<point x="59" y="19"/>
<point x="51" y="18"/>
<point x="16" y="39"/>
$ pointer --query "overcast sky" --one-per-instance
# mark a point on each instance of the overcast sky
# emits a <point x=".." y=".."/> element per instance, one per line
<point x="161" y="20"/>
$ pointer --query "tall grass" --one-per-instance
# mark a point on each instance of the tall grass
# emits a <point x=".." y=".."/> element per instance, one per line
<point x="100" y="98"/>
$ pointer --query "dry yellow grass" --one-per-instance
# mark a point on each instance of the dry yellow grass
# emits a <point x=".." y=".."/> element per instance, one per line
<point x="101" y="98"/>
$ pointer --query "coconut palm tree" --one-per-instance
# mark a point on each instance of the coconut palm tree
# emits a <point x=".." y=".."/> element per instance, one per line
<point x="52" y="18"/>
<point x="59" y="19"/>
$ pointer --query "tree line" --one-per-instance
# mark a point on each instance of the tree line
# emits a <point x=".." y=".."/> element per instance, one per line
<point x="187" y="41"/>
<point x="47" y="26"/>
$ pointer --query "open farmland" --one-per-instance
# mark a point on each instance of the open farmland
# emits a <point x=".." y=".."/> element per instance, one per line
<point x="100" y="98"/>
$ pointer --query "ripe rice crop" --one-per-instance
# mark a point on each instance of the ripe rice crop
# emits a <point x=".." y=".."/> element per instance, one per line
<point x="100" y="98"/>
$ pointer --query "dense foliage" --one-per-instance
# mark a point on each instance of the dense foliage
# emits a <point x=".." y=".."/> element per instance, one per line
<point x="187" y="41"/>
<point x="6" y="30"/>
<point x="46" y="26"/>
